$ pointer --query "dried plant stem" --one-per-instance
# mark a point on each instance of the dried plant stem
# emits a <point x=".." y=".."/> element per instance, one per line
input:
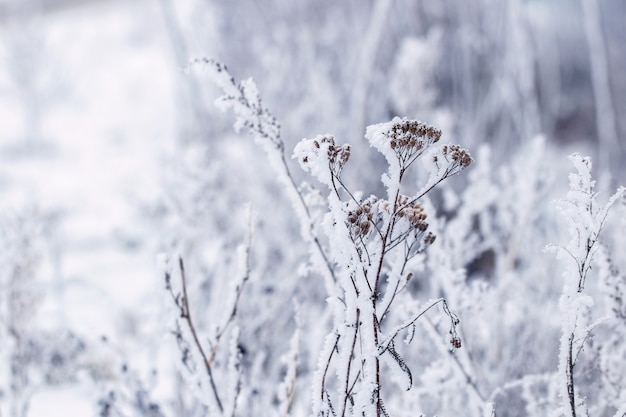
<point x="300" y="198"/>
<point x="569" y="373"/>
<point x="186" y="314"/>
<point x="330" y="356"/>
<point x="349" y="364"/>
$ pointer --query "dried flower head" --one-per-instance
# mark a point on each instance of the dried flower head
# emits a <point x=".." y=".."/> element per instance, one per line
<point x="413" y="212"/>
<point x="322" y="157"/>
<point x="460" y="157"/>
<point x="362" y="219"/>
<point x="406" y="139"/>
<point x="455" y="341"/>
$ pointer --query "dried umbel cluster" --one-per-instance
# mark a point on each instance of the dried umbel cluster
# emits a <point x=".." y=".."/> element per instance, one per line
<point x="455" y="341"/>
<point x="337" y="155"/>
<point x="324" y="147"/>
<point x="459" y="156"/>
<point x="367" y="215"/>
<point x="413" y="212"/>
<point x="409" y="138"/>
<point x="361" y="219"/>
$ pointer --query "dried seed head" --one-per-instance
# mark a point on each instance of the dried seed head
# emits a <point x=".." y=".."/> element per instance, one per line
<point x="455" y="341"/>
<point x="409" y="138"/>
<point x="429" y="239"/>
<point x="457" y="154"/>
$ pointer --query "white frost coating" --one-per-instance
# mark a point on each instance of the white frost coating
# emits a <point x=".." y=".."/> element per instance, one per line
<point x="377" y="135"/>
<point x="312" y="154"/>
<point x="287" y="387"/>
<point x="402" y="141"/>
<point x="360" y="235"/>
<point x="397" y="329"/>
<point x="621" y="412"/>
<point x="319" y="404"/>
<point x="585" y="221"/>
<point x="490" y="410"/>
<point x="245" y="101"/>
<point x="234" y="374"/>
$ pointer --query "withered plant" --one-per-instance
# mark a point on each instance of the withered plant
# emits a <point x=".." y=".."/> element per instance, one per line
<point x="376" y="243"/>
<point x="365" y="248"/>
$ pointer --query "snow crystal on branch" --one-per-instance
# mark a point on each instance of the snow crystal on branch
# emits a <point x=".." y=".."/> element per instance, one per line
<point x="245" y="101"/>
<point x="322" y="157"/>
<point x="585" y="221"/>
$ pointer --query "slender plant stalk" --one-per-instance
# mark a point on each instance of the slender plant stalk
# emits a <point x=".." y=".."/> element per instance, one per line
<point x="186" y="314"/>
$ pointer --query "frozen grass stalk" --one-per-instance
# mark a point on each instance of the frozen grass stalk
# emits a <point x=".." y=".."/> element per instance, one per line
<point x="586" y="219"/>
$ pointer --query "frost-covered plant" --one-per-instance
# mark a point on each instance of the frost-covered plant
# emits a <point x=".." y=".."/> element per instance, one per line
<point x="21" y="253"/>
<point x="244" y="100"/>
<point x="586" y="219"/>
<point x="32" y="355"/>
<point x="128" y="395"/>
<point x="486" y="265"/>
<point x="365" y="248"/>
<point x="202" y="354"/>
<point x="612" y="350"/>
<point x="375" y="244"/>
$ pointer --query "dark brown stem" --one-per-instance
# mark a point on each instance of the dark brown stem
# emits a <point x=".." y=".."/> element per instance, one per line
<point x="350" y="359"/>
<point x="569" y="372"/>
<point x="327" y="366"/>
<point x="379" y="404"/>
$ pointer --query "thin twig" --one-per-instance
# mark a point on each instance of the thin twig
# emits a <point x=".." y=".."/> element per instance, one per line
<point x="349" y="364"/>
<point x="383" y="346"/>
<point x="186" y="314"/>
<point x="323" y="389"/>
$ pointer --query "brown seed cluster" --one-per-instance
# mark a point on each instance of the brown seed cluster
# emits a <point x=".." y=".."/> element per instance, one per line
<point x="338" y="155"/>
<point x="455" y="341"/>
<point x="361" y="219"/>
<point x="457" y="154"/>
<point x="413" y="212"/>
<point x="408" y="137"/>
<point x="429" y="239"/>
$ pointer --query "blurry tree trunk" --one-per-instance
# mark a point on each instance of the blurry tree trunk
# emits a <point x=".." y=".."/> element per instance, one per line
<point x="365" y="67"/>
<point x="521" y="66"/>
<point x="25" y="59"/>
<point x="181" y="55"/>
<point x="509" y="110"/>
<point x="606" y="127"/>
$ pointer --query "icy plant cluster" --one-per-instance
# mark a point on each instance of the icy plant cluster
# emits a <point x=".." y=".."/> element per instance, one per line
<point x="586" y="219"/>
<point x="388" y="260"/>
<point x="365" y="248"/>
<point x="331" y="310"/>
<point x="375" y="244"/>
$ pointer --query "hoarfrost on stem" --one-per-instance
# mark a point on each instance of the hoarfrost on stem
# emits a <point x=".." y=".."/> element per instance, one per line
<point x="371" y="242"/>
<point x="585" y="220"/>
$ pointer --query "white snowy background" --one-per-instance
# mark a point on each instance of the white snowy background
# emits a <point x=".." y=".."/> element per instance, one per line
<point x="112" y="153"/>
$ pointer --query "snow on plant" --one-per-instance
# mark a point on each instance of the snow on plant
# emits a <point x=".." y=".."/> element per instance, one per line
<point x="199" y="360"/>
<point x="373" y="242"/>
<point x="20" y="240"/>
<point x="612" y="351"/>
<point x="244" y="100"/>
<point x="33" y="353"/>
<point x="586" y="219"/>
<point x="486" y="266"/>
